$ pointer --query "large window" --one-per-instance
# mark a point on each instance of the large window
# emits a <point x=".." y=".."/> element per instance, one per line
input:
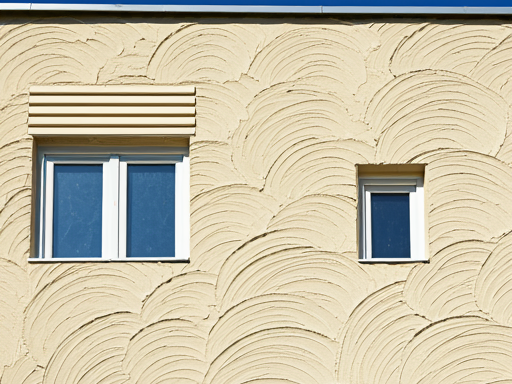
<point x="121" y="204"/>
<point x="391" y="216"/>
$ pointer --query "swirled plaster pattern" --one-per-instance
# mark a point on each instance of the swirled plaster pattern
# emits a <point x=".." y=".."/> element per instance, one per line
<point x="273" y="292"/>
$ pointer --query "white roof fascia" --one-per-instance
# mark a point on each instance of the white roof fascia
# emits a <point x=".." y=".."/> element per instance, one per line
<point x="259" y="9"/>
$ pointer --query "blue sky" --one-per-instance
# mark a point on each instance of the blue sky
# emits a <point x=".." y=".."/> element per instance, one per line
<point x="434" y="3"/>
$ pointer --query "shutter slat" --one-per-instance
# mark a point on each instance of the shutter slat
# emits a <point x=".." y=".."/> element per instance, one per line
<point x="112" y="131"/>
<point x="111" y="100"/>
<point x="106" y="111"/>
<point x="112" y="90"/>
<point x="110" y="121"/>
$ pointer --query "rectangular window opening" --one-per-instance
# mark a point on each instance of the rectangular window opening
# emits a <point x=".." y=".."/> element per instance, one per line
<point x="391" y="213"/>
<point x="77" y="206"/>
<point x="390" y="225"/>
<point x="120" y="205"/>
<point x="150" y="210"/>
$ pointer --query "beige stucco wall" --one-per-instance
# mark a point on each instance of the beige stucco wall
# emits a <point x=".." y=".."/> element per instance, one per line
<point x="274" y="292"/>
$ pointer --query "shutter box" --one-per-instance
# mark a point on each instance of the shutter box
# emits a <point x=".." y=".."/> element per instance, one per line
<point x="123" y="110"/>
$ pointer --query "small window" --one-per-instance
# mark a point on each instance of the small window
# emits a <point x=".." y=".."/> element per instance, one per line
<point x="120" y="205"/>
<point x="391" y="216"/>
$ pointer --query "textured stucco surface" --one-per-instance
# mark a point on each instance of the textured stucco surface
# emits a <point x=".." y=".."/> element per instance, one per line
<point x="273" y="292"/>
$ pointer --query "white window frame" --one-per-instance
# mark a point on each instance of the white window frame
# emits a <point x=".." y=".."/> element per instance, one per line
<point x="115" y="162"/>
<point x="413" y="186"/>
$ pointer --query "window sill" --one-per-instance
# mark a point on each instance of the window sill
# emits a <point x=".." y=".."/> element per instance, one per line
<point x="392" y="261"/>
<point x="100" y="260"/>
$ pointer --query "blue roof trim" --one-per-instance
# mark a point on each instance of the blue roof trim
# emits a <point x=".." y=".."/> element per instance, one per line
<point x="328" y="10"/>
<point x="422" y="10"/>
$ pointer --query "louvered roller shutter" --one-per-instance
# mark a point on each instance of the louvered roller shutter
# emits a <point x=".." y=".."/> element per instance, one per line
<point x="112" y="110"/>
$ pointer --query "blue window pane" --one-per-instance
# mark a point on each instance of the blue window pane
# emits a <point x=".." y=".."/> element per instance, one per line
<point x="150" y="211"/>
<point x="77" y="206"/>
<point x="391" y="225"/>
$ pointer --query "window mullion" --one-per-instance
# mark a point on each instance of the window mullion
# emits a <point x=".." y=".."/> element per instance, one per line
<point x="182" y="204"/>
<point x="123" y="186"/>
<point x="419" y="251"/>
<point x="48" y="214"/>
<point x="368" y="223"/>
<point x="413" y="218"/>
<point x="110" y="232"/>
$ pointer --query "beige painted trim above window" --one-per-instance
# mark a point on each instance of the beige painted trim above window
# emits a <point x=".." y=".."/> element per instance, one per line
<point x="124" y="110"/>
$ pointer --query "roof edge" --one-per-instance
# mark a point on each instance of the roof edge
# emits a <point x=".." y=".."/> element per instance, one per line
<point x="262" y="9"/>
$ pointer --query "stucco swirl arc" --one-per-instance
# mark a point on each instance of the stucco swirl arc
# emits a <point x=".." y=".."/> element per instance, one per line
<point x="458" y="350"/>
<point x="279" y="354"/>
<point x="493" y="287"/>
<point x="169" y="351"/>
<point x="61" y="50"/>
<point x="285" y="118"/>
<point x="24" y="371"/>
<point x="494" y="69"/>
<point x="330" y="57"/>
<point x="79" y="295"/>
<point x="447" y="287"/>
<point x="14" y="295"/>
<point x="204" y="53"/>
<point x="449" y="45"/>
<point x="468" y="197"/>
<point x="94" y="353"/>
<point x="374" y="337"/>
<point x="245" y="209"/>
<point x="417" y="113"/>
<point x="325" y="218"/>
<point x="211" y="166"/>
<point x="15" y="198"/>
<point x="266" y="312"/>
<point x="189" y="296"/>
<point x="266" y="265"/>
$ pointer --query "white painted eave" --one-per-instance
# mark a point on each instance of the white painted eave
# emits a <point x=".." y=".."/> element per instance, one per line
<point x="255" y="9"/>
